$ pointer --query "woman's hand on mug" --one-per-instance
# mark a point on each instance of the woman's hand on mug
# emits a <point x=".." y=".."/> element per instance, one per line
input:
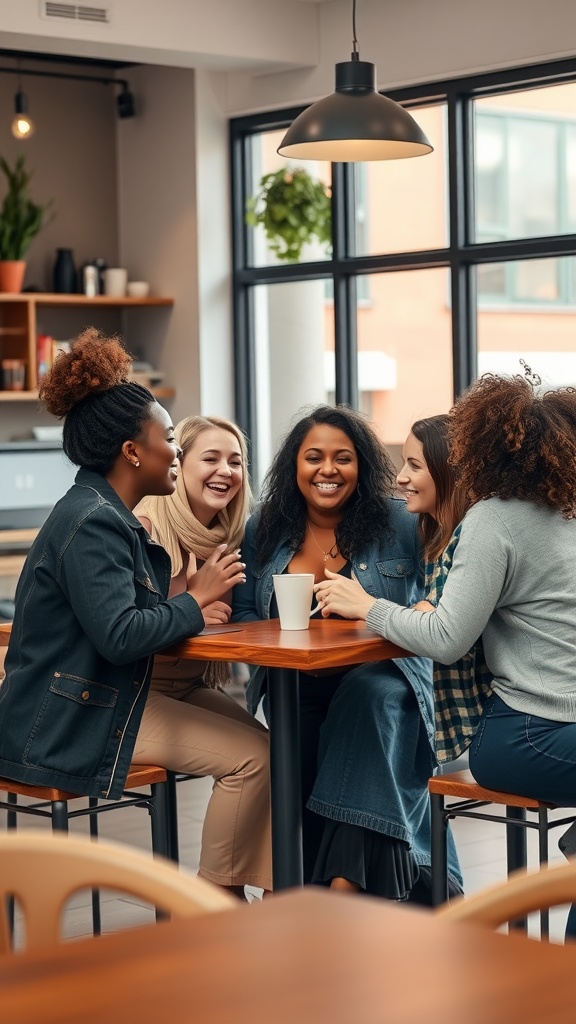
<point x="342" y="596"/>
<point x="219" y="572"/>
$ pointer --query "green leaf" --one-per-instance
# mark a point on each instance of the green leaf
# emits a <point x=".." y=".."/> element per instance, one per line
<point x="20" y="218"/>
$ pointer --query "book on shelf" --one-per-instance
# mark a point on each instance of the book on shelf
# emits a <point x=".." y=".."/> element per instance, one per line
<point x="47" y="348"/>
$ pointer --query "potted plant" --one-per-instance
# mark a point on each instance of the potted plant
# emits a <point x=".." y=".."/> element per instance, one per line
<point x="294" y="208"/>
<point x="20" y="221"/>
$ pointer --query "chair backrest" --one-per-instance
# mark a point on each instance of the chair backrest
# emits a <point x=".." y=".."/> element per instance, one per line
<point x="43" y="869"/>
<point x="523" y="893"/>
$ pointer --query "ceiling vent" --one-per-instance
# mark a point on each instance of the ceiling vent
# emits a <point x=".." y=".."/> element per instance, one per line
<point x="74" y="12"/>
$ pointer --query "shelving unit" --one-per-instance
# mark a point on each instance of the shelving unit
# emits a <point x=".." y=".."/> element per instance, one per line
<point x="19" y="329"/>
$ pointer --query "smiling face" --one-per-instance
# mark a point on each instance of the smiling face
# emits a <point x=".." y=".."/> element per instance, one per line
<point x="415" y="480"/>
<point x="157" y="453"/>
<point x="326" y="468"/>
<point x="212" y="471"/>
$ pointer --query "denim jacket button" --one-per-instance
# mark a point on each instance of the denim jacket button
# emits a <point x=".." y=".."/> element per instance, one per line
<point x="85" y="694"/>
<point x="362" y="565"/>
<point x="400" y="570"/>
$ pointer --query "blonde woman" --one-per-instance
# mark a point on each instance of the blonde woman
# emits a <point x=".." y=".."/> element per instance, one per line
<point x="189" y="724"/>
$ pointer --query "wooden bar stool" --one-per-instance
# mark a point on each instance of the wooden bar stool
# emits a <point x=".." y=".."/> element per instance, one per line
<point x="469" y="800"/>
<point x="53" y="804"/>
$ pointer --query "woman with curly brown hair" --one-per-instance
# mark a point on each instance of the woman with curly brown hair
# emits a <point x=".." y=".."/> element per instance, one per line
<point x="512" y="582"/>
<point x="92" y="607"/>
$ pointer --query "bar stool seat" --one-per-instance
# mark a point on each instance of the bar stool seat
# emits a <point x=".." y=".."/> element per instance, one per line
<point x="469" y="801"/>
<point x="51" y="803"/>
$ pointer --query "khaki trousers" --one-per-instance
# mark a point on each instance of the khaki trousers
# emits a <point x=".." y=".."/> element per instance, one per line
<point x="187" y="727"/>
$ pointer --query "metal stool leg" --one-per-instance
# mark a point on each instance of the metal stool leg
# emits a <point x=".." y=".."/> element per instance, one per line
<point x="438" y="849"/>
<point x="172" y="801"/>
<point x="11" y="823"/>
<point x="516" y="856"/>
<point x="543" y="858"/>
<point x="159" y="819"/>
<point x="96" y="915"/>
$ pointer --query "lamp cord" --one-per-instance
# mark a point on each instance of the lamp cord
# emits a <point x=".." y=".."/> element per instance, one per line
<point x="354" y="54"/>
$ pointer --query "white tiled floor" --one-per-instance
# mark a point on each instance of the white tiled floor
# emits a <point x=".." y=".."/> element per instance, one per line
<point x="481" y="847"/>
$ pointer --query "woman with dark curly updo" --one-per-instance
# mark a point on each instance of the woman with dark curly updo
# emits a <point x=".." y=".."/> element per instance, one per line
<point x="512" y="582"/>
<point x="366" y="732"/>
<point x="92" y="607"/>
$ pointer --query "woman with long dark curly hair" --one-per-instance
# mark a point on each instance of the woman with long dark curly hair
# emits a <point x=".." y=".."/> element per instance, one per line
<point x="366" y="732"/>
<point x="512" y="582"/>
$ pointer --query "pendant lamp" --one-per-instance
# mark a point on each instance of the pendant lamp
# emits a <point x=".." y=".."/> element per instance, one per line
<point x="355" y="123"/>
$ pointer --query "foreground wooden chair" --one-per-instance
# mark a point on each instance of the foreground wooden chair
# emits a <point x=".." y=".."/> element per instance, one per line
<point x="41" y="870"/>
<point x="473" y="801"/>
<point x="523" y="893"/>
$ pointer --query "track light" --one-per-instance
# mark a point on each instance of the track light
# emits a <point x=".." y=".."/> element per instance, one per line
<point x="125" y="102"/>
<point x="354" y="123"/>
<point x="22" y="125"/>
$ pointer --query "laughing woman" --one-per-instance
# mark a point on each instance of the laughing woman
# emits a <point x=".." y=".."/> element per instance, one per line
<point x="189" y="724"/>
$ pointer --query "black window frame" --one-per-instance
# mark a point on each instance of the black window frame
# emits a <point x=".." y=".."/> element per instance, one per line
<point x="461" y="255"/>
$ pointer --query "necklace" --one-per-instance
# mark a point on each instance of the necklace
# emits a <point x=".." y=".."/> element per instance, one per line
<point x="332" y="552"/>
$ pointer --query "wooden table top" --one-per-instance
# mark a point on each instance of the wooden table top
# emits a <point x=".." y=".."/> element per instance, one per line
<point x="306" y="956"/>
<point x="328" y="643"/>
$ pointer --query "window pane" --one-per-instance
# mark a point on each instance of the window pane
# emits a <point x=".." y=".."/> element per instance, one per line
<point x="537" y="284"/>
<point x="542" y="336"/>
<point x="525" y="163"/>
<point x="401" y="204"/>
<point x="294" y="359"/>
<point x="405" y="351"/>
<point x="265" y="160"/>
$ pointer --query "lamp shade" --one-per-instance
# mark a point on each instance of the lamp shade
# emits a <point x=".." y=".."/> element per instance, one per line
<point x="354" y="123"/>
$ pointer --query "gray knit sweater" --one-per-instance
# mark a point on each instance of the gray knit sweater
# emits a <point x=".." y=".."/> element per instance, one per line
<point x="513" y="581"/>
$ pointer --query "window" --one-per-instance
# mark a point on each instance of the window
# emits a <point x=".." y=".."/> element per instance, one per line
<point x="441" y="267"/>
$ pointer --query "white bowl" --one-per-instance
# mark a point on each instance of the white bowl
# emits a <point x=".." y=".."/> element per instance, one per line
<point x="138" y="289"/>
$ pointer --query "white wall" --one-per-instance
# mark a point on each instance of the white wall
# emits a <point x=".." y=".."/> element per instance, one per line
<point x="413" y="41"/>
<point x="157" y="213"/>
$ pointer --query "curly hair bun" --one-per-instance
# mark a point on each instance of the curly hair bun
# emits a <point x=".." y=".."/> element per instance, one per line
<point x="94" y="363"/>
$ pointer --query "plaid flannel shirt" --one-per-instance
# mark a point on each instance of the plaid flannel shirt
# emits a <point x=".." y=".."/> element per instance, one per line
<point x="461" y="689"/>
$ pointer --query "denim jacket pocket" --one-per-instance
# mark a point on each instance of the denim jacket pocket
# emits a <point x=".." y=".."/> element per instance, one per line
<point x="398" y="567"/>
<point x="74" y="715"/>
<point x="396" y="577"/>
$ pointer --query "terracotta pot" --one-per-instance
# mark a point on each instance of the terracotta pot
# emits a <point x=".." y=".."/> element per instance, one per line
<point x="12" y="275"/>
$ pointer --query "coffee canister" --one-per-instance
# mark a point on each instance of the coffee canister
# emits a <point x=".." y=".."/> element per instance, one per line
<point x="65" y="276"/>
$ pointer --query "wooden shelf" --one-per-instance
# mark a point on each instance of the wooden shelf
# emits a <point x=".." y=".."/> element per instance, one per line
<point x="32" y="396"/>
<point x="18" y="396"/>
<point x="57" y="299"/>
<point x="19" y="315"/>
<point x="25" y="536"/>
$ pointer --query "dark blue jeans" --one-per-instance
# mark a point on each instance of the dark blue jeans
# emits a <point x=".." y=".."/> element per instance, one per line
<point x="528" y="755"/>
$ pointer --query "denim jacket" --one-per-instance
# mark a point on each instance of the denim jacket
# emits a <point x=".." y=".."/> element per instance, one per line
<point x="391" y="568"/>
<point x="91" y="610"/>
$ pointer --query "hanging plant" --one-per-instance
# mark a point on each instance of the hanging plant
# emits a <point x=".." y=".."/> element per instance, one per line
<point x="293" y="208"/>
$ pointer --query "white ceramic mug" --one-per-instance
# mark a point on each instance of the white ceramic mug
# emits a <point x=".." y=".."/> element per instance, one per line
<point x="115" y="279"/>
<point x="294" y="592"/>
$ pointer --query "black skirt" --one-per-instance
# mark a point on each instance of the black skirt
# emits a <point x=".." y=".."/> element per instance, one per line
<point x="377" y="863"/>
